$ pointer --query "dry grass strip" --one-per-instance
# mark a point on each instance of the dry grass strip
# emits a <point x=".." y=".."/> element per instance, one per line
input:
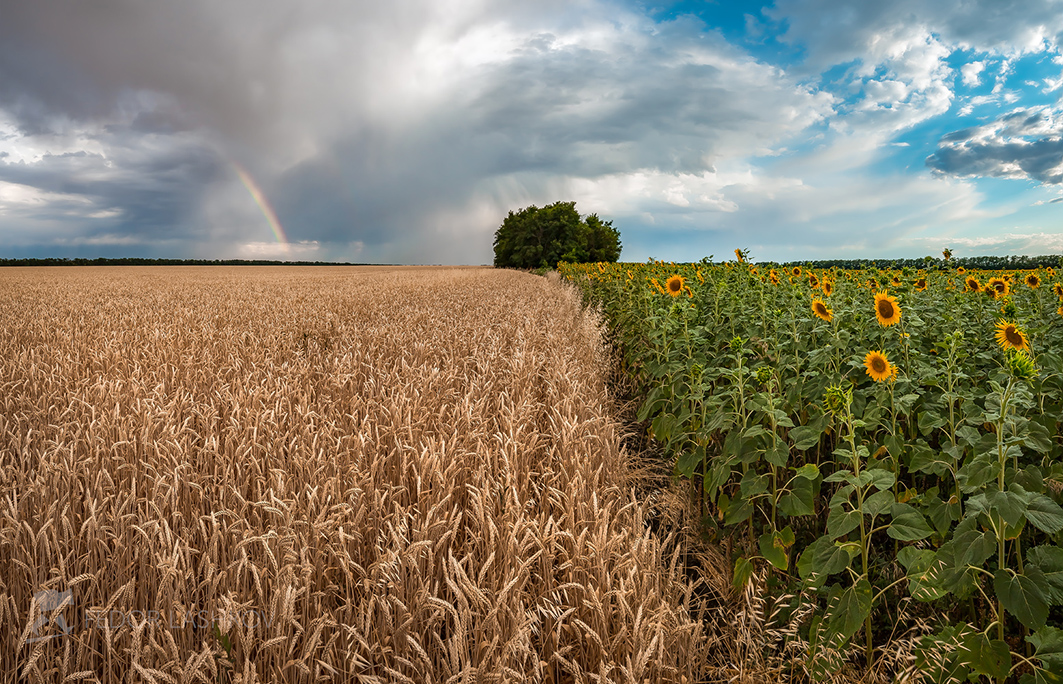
<point x="296" y="475"/>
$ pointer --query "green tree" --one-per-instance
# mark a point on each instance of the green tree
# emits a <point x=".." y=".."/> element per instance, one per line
<point x="537" y="237"/>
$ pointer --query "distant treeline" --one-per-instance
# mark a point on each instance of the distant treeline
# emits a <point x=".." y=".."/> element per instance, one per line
<point x="987" y="263"/>
<point x="131" y="261"/>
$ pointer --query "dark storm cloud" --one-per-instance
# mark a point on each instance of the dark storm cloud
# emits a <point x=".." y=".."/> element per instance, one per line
<point x="1025" y="143"/>
<point x="135" y="190"/>
<point x="343" y="114"/>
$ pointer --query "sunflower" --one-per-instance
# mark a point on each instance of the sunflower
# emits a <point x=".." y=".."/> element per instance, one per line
<point x="1032" y="281"/>
<point x="821" y="310"/>
<point x="1010" y="337"/>
<point x="972" y="285"/>
<point x="674" y="285"/>
<point x="886" y="310"/>
<point x="828" y="288"/>
<point x="961" y="270"/>
<point x="878" y="366"/>
<point x="773" y="276"/>
<point x="920" y="285"/>
<point x="690" y="293"/>
<point x="813" y="281"/>
<point x="872" y="283"/>
<point x="1060" y="311"/>
<point x="1058" y="289"/>
<point x="657" y="286"/>
<point x="990" y="292"/>
<point x="795" y="271"/>
<point x="1000" y="285"/>
<point x="738" y="255"/>
<point x="896" y="281"/>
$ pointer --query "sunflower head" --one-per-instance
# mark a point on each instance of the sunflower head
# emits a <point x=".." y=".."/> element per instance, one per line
<point x="990" y="292"/>
<point x="738" y="255"/>
<point x="971" y="284"/>
<point x="820" y="310"/>
<point x="674" y="285"/>
<point x="1032" y="281"/>
<point x="878" y="366"/>
<point x="1000" y="285"/>
<point x="838" y="399"/>
<point x="1010" y="337"/>
<point x="961" y="270"/>
<point x="886" y="310"/>
<point x="773" y="275"/>
<point x="1058" y="289"/>
<point x="828" y="288"/>
<point x="1021" y="364"/>
<point x="813" y="281"/>
<point x="920" y="285"/>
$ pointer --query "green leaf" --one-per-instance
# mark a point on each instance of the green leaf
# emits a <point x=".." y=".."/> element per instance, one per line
<point x="976" y="473"/>
<point x="738" y="512"/>
<point x="820" y="559"/>
<point x="1050" y="561"/>
<point x="930" y="421"/>
<point x="689" y="460"/>
<point x="878" y="502"/>
<point x="839" y="476"/>
<point x="943" y="514"/>
<point x="1021" y="597"/>
<point x="928" y="461"/>
<point x="804" y="437"/>
<point x="841" y="522"/>
<point x="920" y="581"/>
<point x="1009" y="505"/>
<point x="985" y="656"/>
<point x="773" y="552"/>
<point x="847" y="613"/>
<point x="1048" y="642"/>
<point x="908" y="524"/>
<point x="1037" y="437"/>
<point x="754" y="431"/>
<point x="743" y="571"/>
<point x="809" y="471"/>
<point x="800" y="500"/>
<point x="778" y="454"/>
<point x="881" y="479"/>
<point x="1044" y="514"/>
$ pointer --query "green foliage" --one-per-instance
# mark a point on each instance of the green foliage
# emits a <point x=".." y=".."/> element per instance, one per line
<point x="926" y="501"/>
<point x="537" y="237"/>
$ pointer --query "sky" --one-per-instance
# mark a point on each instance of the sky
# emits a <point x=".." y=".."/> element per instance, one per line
<point x="404" y="131"/>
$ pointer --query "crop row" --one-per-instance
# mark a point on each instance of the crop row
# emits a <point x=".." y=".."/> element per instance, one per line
<point x="881" y="447"/>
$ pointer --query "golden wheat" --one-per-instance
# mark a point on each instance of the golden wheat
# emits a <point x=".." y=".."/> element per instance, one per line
<point x="346" y="474"/>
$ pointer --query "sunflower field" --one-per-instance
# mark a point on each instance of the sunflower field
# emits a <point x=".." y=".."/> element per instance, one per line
<point x="879" y="449"/>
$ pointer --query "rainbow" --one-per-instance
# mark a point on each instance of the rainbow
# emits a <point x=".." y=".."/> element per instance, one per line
<point x="263" y="205"/>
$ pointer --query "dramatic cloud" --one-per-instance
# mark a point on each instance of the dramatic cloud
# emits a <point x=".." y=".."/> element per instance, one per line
<point x="404" y="131"/>
<point x="1026" y="143"/>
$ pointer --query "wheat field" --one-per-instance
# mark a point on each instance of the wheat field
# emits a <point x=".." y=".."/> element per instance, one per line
<point x="269" y="474"/>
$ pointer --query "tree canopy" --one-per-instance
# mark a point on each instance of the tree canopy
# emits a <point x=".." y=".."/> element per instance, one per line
<point x="537" y="237"/>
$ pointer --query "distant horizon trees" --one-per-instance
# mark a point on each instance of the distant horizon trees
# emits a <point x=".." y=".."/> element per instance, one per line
<point x="540" y="237"/>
